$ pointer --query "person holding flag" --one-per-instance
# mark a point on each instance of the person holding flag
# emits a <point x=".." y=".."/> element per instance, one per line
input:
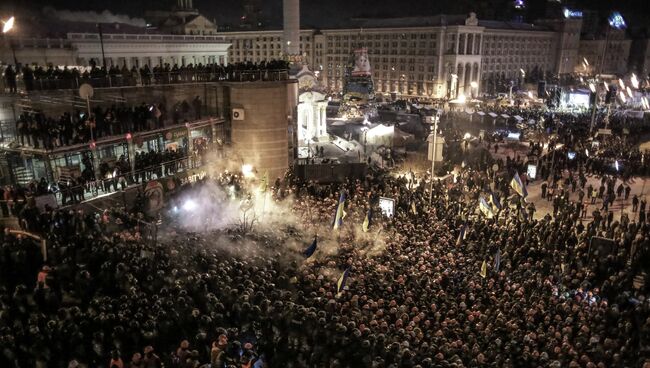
<point x="312" y="248"/>
<point x="462" y="235"/>
<point x="340" y="284"/>
<point x="497" y="260"/>
<point x="483" y="272"/>
<point x="485" y="208"/>
<point x="366" y="222"/>
<point x="264" y="183"/>
<point x="518" y="186"/>
<point x="340" y="212"/>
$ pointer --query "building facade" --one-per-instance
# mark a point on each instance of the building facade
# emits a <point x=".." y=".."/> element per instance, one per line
<point x="440" y="56"/>
<point x="119" y="49"/>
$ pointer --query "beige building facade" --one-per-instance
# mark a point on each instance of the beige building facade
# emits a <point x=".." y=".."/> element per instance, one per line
<point x="437" y="57"/>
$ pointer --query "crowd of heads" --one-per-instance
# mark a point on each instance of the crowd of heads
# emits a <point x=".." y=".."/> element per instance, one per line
<point x="119" y="290"/>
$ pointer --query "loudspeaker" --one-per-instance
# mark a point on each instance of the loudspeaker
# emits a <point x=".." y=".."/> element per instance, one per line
<point x="237" y="114"/>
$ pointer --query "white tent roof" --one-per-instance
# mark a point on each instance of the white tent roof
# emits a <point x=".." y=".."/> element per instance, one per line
<point x="518" y="117"/>
<point x="506" y="116"/>
<point x="480" y="113"/>
<point x="492" y="114"/>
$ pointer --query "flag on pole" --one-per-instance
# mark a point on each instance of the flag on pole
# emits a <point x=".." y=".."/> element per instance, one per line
<point x="312" y="248"/>
<point x="495" y="200"/>
<point x="340" y="212"/>
<point x="366" y="222"/>
<point x="485" y="208"/>
<point x="264" y="183"/>
<point x="414" y="209"/>
<point x="461" y="235"/>
<point x="483" y="269"/>
<point x="518" y="186"/>
<point x="497" y="260"/>
<point x="340" y="284"/>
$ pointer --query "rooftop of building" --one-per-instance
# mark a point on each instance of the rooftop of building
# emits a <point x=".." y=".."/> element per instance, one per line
<point x="439" y="20"/>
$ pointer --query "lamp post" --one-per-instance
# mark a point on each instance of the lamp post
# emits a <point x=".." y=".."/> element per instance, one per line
<point x="433" y="155"/>
<point x="8" y="25"/>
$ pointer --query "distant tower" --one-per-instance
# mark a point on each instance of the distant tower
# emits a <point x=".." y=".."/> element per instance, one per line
<point x="291" y="33"/>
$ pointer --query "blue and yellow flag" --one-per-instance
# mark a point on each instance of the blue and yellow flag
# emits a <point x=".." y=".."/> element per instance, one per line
<point x="366" y="222"/>
<point x="462" y="235"/>
<point x="497" y="260"/>
<point x="340" y="284"/>
<point x="312" y="248"/>
<point x="518" y="186"/>
<point x="495" y="200"/>
<point x="483" y="269"/>
<point x="485" y="208"/>
<point x="264" y="183"/>
<point x="340" y="212"/>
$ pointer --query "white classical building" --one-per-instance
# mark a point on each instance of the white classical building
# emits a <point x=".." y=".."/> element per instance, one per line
<point x="140" y="49"/>
<point x="122" y="46"/>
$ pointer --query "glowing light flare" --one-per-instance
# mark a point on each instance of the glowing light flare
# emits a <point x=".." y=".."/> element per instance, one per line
<point x="592" y="87"/>
<point x="530" y="94"/>
<point x="189" y="205"/>
<point x="462" y="98"/>
<point x="606" y="86"/>
<point x="629" y="91"/>
<point x="247" y="170"/>
<point x="584" y="59"/>
<point x="616" y="165"/>
<point x="8" y="25"/>
<point x="634" y="80"/>
<point x="474" y="84"/>
<point x="467" y="136"/>
<point x="621" y="83"/>
<point x="621" y="95"/>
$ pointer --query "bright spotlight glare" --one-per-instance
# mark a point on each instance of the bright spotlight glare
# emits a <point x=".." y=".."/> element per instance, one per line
<point x="9" y="24"/>
<point x="189" y="205"/>
<point x="247" y="170"/>
<point x="467" y="136"/>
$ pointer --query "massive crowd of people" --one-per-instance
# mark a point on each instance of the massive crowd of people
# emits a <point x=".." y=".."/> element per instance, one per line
<point x="37" y="130"/>
<point x="37" y="77"/>
<point x="440" y="285"/>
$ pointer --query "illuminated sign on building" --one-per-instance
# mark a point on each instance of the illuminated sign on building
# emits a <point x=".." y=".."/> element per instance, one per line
<point x="571" y="14"/>
<point x="616" y="21"/>
<point x="519" y="4"/>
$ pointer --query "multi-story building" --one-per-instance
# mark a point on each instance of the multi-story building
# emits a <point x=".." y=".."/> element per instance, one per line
<point x="607" y="54"/>
<point x="119" y="44"/>
<point x="438" y="56"/>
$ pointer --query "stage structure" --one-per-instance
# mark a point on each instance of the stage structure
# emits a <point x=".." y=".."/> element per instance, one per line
<point x="358" y="88"/>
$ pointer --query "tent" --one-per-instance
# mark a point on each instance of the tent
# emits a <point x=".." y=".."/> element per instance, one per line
<point x="519" y="118"/>
<point x="492" y="114"/>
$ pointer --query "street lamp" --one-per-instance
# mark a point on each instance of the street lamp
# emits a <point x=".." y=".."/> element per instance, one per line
<point x="8" y="25"/>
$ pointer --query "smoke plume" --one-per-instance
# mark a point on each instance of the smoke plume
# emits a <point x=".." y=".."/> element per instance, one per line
<point x="93" y="17"/>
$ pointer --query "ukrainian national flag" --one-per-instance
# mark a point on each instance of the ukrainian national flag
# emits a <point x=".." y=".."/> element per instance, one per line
<point x="495" y="200"/>
<point x="462" y="235"/>
<point x="366" y="222"/>
<point x="497" y="260"/>
<point x="264" y="183"/>
<point x="483" y="269"/>
<point x="340" y="212"/>
<point x="485" y="208"/>
<point x="340" y="284"/>
<point x="312" y="248"/>
<point x="518" y="186"/>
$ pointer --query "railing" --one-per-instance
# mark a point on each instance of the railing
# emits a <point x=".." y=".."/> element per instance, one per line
<point x="141" y="79"/>
<point x="109" y="185"/>
<point x="146" y="37"/>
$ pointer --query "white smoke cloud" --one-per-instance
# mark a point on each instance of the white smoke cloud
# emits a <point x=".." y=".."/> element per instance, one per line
<point x="93" y="17"/>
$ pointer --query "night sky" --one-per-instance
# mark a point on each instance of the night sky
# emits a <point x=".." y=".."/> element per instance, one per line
<point x="330" y="12"/>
